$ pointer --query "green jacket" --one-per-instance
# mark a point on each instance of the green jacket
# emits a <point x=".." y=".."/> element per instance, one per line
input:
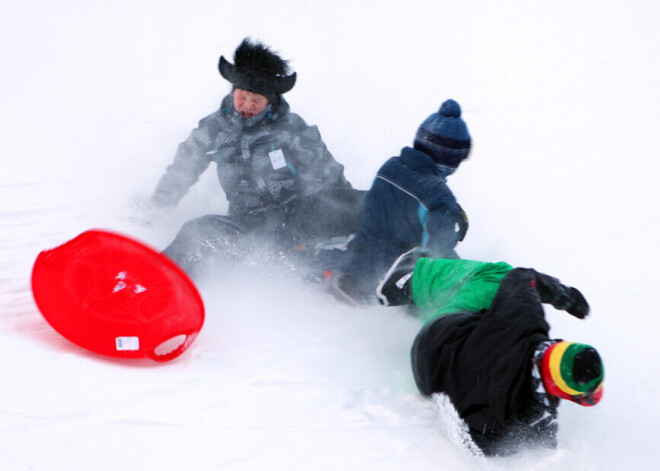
<point x="441" y="286"/>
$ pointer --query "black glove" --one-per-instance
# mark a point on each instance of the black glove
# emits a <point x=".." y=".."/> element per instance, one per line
<point x="579" y="306"/>
<point x="570" y="300"/>
<point x="561" y="297"/>
<point x="463" y="223"/>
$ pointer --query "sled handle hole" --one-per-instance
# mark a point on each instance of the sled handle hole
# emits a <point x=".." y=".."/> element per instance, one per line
<point x="170" y="345"/>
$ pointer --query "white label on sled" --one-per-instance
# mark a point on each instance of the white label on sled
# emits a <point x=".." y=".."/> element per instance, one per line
<point x="277" y="159"/>
<point x="130" y="344"/>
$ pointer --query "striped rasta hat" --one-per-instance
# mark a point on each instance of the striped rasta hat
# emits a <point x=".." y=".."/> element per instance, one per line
<point x="573" y="371"/>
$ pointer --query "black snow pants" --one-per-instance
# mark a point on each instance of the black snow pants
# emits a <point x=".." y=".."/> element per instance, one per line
<point x="296" y="227"/>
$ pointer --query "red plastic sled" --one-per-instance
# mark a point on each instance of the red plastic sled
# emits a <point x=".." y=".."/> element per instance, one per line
<point x="115" y="296"/>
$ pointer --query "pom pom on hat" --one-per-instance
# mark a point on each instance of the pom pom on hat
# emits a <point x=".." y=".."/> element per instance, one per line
<point x="573" y="371"/>
<point x="450" y="109"/>
<point x="444" y="136"/>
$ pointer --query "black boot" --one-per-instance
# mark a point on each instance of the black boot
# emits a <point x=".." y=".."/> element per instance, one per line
<point x="395" y="289"/>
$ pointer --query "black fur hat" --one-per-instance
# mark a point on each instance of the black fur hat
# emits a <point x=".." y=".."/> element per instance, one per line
<point x="258" y="69"/>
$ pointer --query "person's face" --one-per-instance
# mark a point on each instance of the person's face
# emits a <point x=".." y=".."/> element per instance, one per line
<point x="249" y="104"/>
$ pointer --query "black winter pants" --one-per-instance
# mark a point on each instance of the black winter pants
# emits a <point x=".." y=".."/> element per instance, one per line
<point x="202" y="238"/>
<point x="301" y="224"/>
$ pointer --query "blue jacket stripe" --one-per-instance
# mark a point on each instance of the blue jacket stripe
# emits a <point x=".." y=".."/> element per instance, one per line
<point x="423" y="215"/>
<point x="402" y="189"/>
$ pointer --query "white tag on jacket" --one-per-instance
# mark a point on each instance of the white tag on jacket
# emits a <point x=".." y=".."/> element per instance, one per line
<point x="277" y="159"/>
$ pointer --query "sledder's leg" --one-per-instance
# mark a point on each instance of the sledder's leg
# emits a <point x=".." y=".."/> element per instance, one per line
<point x="203" y="238"/>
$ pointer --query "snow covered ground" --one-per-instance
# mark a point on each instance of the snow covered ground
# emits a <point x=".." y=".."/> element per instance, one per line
<point x="562" y="99"/>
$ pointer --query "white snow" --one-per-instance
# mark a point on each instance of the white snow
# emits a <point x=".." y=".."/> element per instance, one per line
<point x="562" y="99"/>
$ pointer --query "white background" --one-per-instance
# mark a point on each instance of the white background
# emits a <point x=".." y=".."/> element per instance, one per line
<point x="562" y="100"/>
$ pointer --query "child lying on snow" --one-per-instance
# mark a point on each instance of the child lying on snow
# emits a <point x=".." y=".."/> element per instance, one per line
<point x="485" y="345"/>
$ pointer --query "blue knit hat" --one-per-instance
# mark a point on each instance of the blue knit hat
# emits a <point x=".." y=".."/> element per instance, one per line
<point x="444" y="136"/>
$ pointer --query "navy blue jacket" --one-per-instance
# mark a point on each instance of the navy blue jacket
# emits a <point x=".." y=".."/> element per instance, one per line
<point x="409" y="205"/>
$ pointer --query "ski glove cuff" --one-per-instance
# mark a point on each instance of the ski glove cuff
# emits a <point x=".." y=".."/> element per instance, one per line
<point x="463" y="223"/>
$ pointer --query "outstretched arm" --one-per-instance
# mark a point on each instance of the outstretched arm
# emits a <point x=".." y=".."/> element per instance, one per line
<point x="190" y="161"/>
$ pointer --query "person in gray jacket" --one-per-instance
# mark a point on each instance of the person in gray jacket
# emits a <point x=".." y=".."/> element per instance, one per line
<point x="282" y="184"/>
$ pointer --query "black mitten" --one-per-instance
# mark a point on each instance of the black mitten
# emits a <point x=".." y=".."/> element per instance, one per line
<point x="561" y="297"/>
<point x="579" y="306"/>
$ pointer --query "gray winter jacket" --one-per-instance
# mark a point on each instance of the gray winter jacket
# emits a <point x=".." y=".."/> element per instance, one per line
<point x="263" y="162"/>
